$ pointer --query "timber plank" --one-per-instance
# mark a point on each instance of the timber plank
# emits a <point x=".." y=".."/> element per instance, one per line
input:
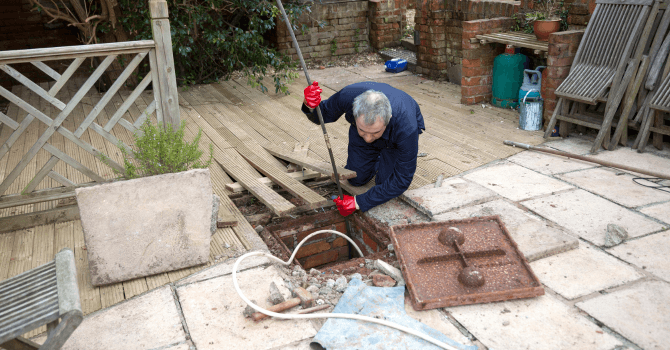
<point x="310" y="163"/>
<point x="299" y="175"/>
<point x="134" y="287"/>
<point x="89" y="295"/>
<point x="36" y="218"/>
<point x="111" y="294"/>
<point x="22" y="250"/>
<point x="6" y="246"/>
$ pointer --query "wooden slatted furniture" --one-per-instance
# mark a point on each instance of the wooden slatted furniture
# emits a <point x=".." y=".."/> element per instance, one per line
<point x="38" y="297"/>
<point x="655" y="122"/>
<point x="516" y="39"/>
<point x="606" y="63"/>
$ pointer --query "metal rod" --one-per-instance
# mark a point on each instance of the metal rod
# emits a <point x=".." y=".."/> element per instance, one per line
<point x="588" y="159"/>
<point x="318" y="112"/>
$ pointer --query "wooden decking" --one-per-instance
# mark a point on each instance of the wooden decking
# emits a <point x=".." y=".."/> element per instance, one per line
<point x="239" y="120"/>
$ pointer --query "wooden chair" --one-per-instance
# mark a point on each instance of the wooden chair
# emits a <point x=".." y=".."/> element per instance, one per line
<point x="660" y="105"/>
<point x="38" y="297"/>
<point x="605" y="65"/>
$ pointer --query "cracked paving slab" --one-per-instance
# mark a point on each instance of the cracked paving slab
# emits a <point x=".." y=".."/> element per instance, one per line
<point x="452" y="194"/>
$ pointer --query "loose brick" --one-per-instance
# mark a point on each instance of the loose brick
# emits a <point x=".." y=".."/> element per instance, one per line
<point x="312" y="249"/>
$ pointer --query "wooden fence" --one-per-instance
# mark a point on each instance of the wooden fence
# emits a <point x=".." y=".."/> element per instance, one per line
<point x="165" y="104"/>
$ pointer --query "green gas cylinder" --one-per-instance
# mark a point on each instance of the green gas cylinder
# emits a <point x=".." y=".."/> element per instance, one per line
<point x="507" y="78"/>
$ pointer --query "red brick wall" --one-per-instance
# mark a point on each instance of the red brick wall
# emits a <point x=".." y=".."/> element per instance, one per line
<point x="562" y="50"/>
<point x="387" y="19"/>
<point x="579" y="11"/>
<point x="476" y="80"/>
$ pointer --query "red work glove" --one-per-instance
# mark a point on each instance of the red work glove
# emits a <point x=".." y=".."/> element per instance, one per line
<point x="313" y="95"/>
<point x="346" y="206"/>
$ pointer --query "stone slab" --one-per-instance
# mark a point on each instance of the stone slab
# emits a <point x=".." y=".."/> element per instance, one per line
<point x="532" y="235"/>
<point x="649" y="253"/>
<point x="213" y="312"/>
<point x="573" y="144"/>
<point x="640" y="313"/>
<point x="548" y="164"/>
<point x="660" y="212"/>
<point x="583" y="271"/>
<point x="224" y="268"/>
<point x="630" y="157"/>
<point x="538" y="323"/>
<point x="587" y="215"/>
<point x="437" y="320"/>
<point x="620" y="189"/>
<point x="146" y="226"/>
<point x="149" y="321"/>
<point x="454" y="193"/>
<point x="516" y="182"/>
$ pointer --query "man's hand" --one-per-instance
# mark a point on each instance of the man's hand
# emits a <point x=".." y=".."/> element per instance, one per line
<point x="313" y="95"/>
<point x="346" y="206"/>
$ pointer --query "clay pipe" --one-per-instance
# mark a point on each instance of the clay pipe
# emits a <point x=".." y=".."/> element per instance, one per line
<point x="301" y="297"/>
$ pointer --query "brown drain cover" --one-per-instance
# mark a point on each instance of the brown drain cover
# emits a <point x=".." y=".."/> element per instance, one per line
<point x="462" y="262"/>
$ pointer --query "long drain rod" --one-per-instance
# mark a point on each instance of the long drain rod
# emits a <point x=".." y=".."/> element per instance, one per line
<point x="350" y="231"/>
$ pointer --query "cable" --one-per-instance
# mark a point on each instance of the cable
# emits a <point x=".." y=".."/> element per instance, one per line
<point x="654" y="180"/>
<point x="325" y="315"/>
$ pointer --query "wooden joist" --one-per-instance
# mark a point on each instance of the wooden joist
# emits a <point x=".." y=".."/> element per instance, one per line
<point x="300" y="176"/>
<point x="310" y="163"/>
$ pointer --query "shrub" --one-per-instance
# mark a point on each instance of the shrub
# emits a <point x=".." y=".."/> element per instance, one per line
<point x="161" y="150"/>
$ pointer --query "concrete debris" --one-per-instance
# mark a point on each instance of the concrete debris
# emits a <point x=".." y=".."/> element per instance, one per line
<point x="216" y="201"/>
<point x="357" y="276"/>
<point x="248" y="311"/>
<point x="275" y="296"/>
<point x="314" y="272"/>
<point x="341" y="284"/>
<point x="259" y="228"/>
<point x="325" y="290"/>
<point x="615" y="235"/>
<point x="313" y="289"/>
<point x="391" y="271"/>
<point x="383" y="281"/>
<point x="330" y="283"/>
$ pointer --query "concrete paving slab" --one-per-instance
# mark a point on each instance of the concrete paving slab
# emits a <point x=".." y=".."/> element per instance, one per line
<point x="659" y="212"/>
<point x="437" y="320"/>
<point x="516" y="182"/>
<point x="583" y="271"/>
<point x="397" y="212"/>
<point x="640" y="313"/>
<point x="587" y="215"/>
<point x="213" y="313"/>
<point x="576" y="145"/>
<point x="532" y="235"/>
<point x="146" y="226"/>
<point x="538" y="323"/>
<point x="630" y="157"/>
<point x="301" y="345"/>
<point x="182" y="346"/>
<point x="224" y="268"/>
<point x="548" y="164"/>
<point x="649" y="253"/>
<point x="454" y="193"/>
<point x="620" y="189"/>
<point x="149" y="321"/>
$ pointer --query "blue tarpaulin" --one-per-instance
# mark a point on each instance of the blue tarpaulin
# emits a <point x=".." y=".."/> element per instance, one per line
<point x="381" y="303"/>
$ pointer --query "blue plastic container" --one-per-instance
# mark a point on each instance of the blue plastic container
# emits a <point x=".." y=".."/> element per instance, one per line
<point x="396" y="65"/>
<point x="532" y="81"/>
<point x="507" y="78"/>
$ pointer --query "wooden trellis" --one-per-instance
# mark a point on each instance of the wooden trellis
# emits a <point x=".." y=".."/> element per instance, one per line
<point x="165" y="103"/>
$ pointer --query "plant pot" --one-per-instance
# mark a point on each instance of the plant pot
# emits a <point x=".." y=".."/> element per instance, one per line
<point x="544" y="28"/>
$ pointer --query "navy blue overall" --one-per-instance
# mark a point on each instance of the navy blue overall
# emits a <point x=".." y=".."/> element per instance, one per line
<point x="392" y="157"/>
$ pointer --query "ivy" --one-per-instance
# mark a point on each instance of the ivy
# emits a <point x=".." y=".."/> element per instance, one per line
<point x="213" y="38"/>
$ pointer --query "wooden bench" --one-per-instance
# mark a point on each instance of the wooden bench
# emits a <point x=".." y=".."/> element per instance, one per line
<point x="40" y="297"/>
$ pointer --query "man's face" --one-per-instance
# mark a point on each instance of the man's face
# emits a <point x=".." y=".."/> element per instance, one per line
<point x="372" y="132"/>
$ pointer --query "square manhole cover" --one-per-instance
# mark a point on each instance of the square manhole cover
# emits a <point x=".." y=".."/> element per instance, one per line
<point x="462" y="262"/>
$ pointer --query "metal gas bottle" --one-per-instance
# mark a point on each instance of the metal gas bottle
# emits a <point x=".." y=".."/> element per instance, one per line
<point x="507" y="78"/>
<point x="532" y="81"/>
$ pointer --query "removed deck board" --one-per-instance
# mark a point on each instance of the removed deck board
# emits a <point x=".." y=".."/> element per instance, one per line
<point x="310" y="163"/>
<point x="300" y="176"/>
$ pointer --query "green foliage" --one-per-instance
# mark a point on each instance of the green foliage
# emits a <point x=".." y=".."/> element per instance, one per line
<point x="542" y="10"/>
<point x="333" y="47"/>
<point x="213" y="38"/>
<point x="161" y="150"/>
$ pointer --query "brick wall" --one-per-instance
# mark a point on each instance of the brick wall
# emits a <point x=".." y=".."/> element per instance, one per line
<point x="431" y="58"/>
<point x="333" y="29"/>
<point x="21" y="28"/>
<point x="387" y="19"/>
<point x="562" y="50"/>
<point x="476" y="80"/>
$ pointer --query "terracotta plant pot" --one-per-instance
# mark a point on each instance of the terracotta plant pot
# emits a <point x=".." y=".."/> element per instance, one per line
<point x="543" y="29"/>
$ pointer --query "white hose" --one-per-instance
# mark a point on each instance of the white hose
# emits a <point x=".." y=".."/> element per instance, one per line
<point x="325" y="315"/>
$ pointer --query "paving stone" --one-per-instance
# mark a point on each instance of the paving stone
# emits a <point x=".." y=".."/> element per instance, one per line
<point x="437" y="320"/>
<point x="576" y="145"/>
<point x="620" y="189"/>
<point x="587" y="215"/>
<point x="532" y="235"/>
<point x="452" y="194"/>
<point x="630" y="157"/>
<point x="213" y="313"/>
<point x="146" y="226"/>
<point x="516" y="182"/>
<point x="640" y="313"/>
<point x="548" y="164"/>
<point x="149" y="321"/>
<point x="583" y="271"/>
<point x="538" y="323"/>
<point x="658" y="211"/>
<point x="649" y="253"/>
<point x="225" y="268"/>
